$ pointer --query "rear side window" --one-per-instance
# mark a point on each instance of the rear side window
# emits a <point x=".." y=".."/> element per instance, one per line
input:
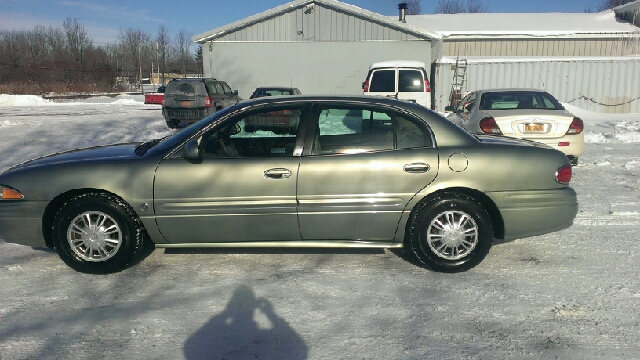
<point x="358" y="130"/>
<point x="383" y="81"/>
<point x="410" y="80"/>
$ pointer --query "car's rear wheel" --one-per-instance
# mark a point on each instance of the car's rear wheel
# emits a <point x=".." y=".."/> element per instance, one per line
<point x="97" y="233"/>
<point x="450" y="233"/>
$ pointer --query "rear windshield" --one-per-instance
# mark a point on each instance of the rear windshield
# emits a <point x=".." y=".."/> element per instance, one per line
<point x="186" y="87"/>
<point x="410" y="80"/>
<point x="519" y="100"/>
<point x="271" y="92"/>
<point x="383" y="81"/>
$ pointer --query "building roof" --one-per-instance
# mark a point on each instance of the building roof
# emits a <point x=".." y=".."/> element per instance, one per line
<point x="331" y="4"/>
<point x="523" y="24"/>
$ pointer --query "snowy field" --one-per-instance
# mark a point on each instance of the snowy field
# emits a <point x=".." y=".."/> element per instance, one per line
<point x="574" y="294"/>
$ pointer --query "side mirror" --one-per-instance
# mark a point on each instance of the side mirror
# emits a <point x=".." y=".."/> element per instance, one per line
<point x="363" y="85"/>
<point x="192" y="149"/>
<point x="235" y="92"/>
<point x="449" y="108"/>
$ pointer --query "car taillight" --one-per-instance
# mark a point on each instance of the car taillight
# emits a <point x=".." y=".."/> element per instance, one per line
<point x="488" y="125"/>
<point x="563" y="175"/>
<point x="365" y="86"/>
<point x="207" y="102"/>
<point x="576" y="127"/>
<point x="427" y="86"/>
<point x="163" y="102"/>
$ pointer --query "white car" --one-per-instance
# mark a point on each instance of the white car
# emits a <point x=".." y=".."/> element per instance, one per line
<point x="400" y="79"/>
<point x="521" y="113"/>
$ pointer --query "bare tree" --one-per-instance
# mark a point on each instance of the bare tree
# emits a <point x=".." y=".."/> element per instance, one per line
<point x="610" y="4"/>
<point x="413" y="7"/>
<point x="183" y="44"/>
<point x="135" y="43"/>
<point x="163" y="43"/>
<point x="459" y="6"/>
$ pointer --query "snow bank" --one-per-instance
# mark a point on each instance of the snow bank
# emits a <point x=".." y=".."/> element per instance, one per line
<point x="22" y="100"/>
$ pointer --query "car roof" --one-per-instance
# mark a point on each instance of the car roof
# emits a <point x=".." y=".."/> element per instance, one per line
<point x="275" y="87"/>
<point x="510" y="90"/>
<point x="398" y="63"/>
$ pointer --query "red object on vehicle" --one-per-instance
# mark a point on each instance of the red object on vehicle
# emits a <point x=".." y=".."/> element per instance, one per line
<point x="563" y="175"/>
<point x="427" y="86"/>
<point x="489" y="126"/>
<point x="153" y="98"/>
<point x="576" y="127"/>
<point x="365" y="86"/>
<point x="207" y="102"/>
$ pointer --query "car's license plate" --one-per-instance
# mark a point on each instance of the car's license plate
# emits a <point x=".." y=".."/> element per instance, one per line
<point x="535" y="128"/>
<point x="185" y="103"/>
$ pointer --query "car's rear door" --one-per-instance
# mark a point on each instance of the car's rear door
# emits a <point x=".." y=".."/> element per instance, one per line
<point x="243" y="188"/>
<point x="359" y="174"/>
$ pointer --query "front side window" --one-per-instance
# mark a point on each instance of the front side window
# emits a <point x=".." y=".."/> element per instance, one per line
<point x="359" y="130"/>
<point x="258" y="134"/>
<point x="383" y="81"/>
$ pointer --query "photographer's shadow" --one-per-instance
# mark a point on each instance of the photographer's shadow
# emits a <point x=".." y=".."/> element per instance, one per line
<point x="235" y="333"/>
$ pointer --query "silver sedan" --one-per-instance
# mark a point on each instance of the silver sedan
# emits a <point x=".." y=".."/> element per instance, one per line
<point x="521" y="113"/>
<point x="356" y="172"/>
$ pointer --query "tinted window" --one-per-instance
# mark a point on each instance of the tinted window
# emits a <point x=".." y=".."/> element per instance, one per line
<point x="258" y="134"/>
<point x="226" y="89"/>
<point x="410" y="80"/>
<point x="383" y="81"/>
<point x="185" y="87"/>
<point x="519" y="100"/>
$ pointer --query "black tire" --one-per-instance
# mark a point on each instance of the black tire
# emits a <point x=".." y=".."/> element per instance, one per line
<point x="97" y="233"/>
<point x="471" y="236"/>
<point x="574" y="161"/>
<point x="173" y="124"/>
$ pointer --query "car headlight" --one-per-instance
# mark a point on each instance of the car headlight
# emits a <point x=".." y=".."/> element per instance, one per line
<point x="7" y="193"/>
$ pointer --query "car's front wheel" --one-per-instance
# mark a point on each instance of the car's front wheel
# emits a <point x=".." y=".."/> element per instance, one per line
<point x="97" y="233"/>
<point x="450" y="233"/>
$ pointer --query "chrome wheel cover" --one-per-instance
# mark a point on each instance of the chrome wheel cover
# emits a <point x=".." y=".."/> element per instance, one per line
<point x="452" y="235"/>
<point x="94" y="236"/>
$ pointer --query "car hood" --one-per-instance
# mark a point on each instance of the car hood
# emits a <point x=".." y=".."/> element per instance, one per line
<point x="98" y="153"/>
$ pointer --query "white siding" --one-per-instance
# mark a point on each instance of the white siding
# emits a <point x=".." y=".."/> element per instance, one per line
<point x="331" y="68"/>
<point x="602" y="85"/>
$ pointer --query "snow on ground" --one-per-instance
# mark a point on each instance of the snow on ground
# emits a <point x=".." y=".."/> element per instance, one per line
<point x="572" y="294"/>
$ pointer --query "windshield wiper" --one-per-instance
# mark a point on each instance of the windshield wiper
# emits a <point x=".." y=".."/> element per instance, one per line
<point x="144" y="147"/>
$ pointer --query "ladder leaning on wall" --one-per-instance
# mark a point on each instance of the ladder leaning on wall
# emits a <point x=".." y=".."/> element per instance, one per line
<point x="458" y="82"/>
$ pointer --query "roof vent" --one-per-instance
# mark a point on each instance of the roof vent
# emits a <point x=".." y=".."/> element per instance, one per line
<point x="402" y="8"/>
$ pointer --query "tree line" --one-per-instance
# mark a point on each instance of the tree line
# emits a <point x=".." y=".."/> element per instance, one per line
<point x="476" y="6"/>
<point x="66" y="60"/>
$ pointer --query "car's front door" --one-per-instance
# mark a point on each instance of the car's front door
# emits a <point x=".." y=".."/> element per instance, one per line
<point x="364" y="166"/>
<point x="242" y="188"/>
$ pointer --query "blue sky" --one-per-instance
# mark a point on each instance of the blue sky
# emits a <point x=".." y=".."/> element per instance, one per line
<point x="103" y="20"/>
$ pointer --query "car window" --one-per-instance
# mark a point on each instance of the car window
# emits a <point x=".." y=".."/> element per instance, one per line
<point x="383" y="81"/>
<point x="226" y="89"/>
<point x="410" y="80"/>
<point x="467" y="103"/>
<point x="358" y="130"/>
<point x="257" y="134"/>
<point x="519" y="100"/>
<point x="211" y="86"/>
<point x="185" y="87"/>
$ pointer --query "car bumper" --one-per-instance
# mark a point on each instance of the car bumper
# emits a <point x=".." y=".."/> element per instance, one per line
<point x="531" y="213"/>
<point x="570" y="145"/>
<point x="21" y="222"/>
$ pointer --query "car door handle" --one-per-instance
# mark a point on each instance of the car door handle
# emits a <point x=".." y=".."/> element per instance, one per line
<point x="415" y="168"/>
<point x="277" y="173"/>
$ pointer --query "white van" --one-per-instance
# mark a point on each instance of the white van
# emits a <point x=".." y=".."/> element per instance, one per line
<point x="400" y="79"/>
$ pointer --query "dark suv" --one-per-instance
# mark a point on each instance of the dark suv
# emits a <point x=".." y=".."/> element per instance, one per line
<point x="188" y="100"/>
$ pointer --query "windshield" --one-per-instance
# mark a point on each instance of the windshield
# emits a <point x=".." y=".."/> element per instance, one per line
<point x="509" y="100"/>
<point x="167" y="144"/>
